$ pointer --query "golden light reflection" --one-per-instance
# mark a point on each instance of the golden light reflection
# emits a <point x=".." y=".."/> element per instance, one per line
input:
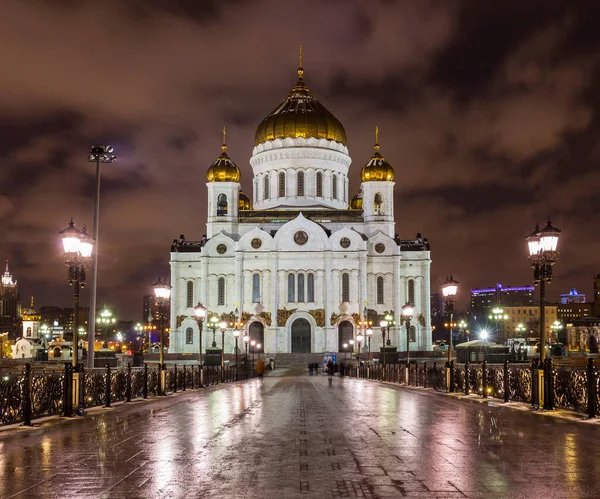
<point x="46" y="451"/>
<point x="163" y="471"/>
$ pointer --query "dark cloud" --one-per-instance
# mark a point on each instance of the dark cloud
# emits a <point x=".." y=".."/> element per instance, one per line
<point x="487" y="111"/>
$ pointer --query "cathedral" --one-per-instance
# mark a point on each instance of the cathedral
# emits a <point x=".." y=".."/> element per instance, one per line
<point x="302" y="264"/>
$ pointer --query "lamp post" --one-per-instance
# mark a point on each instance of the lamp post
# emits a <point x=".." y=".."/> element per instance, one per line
<point x="200" y="312"/>
<point x="253" y="345"/>
<point x="407" y="313"/>
<point x="543" y="254"/>
<point x="139" y="332"/>
<point x="106" y="319"/>
<point x="212" y="324"/>
<point x="556" y="327"/>
<point x="369" y="334"/>
<point x="98" y="154"/>
<point x="162" y="291"/>
<point x="246" y="339"/>
<point x="359" y="340"/>
<point x="462" y="328"/>
<point x="78" y="246"/>
<point x="345" y="346"/>
<point x="223" y="326"/>
<point x="449" y="289"/>
<point x="236" y="335"/>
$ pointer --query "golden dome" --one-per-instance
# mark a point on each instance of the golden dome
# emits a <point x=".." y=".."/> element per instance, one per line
<point x="377" y="169"/>
<point x="244" y="203"/>
<point x="300" y="115"/>
<point x="223" y="169"/>
<point x="356" y="203"/>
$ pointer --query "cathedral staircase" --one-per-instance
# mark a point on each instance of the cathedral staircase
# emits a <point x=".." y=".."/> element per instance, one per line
<point x="285" y="360"/>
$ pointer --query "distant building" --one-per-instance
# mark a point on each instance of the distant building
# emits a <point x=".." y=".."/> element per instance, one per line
<point x="569" y="312"/>
<point x="529" y="317"/>
<point x="484" y="299"/>
<point x="10" y="305"/>
<point x="572" y="296"/>
<point x="151" y="311"/>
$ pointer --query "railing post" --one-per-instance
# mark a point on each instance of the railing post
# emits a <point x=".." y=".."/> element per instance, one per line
<point x="591" y="388"/>
<point x="184" y="377"/>
<point x="424" y="374"/>
<point x="467" y="377"/>
<point x="451" y="376"/>
<point x="484" y="383"/>
<point x="175" y="378"/>
<point x="549" y="385"/>
<point x="128" y="390"/>
<point x="26" y="397"/>
<point x="107" y="387"/>
<point x="534" y="383"/>
<point x="145" y="391"/>
<point x="67" y="397"/>
<point x="506" y="382"/>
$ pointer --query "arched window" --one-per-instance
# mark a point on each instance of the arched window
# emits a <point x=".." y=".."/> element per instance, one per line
<point x="310" y="288"/>
<point x="189" y="336"/>
<point x="190" y="293"/>
<point x="256" y="331"/>
<point x="222" y="205"/>
<point x="28" y="331"/>
<point x="334" y="183"/>
<point x="345" y="288"/>
<point x="378" y="204"/>
<point x="266" y="180"/>
<point x="411" y="291"/>
<point x="282" y="185"/>
<point x="412" y="336"/>
<point x="380" y="290"/>
<point x="221" y="291"/>
<point x="300" y="181"/>
<point x="255" y="288"/>
<point x="345" y="334"/>
<point x="319" y="184"/>
<point x="291" y="288"/>
<point x="301" y="288"/>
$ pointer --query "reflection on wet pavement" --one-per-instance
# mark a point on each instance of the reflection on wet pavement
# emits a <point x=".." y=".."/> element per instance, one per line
<point x="297" y="437"/>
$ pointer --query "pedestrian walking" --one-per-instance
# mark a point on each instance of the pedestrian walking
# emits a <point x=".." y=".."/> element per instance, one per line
<point x="310" y="369"/>
<point x="330" y="371"/>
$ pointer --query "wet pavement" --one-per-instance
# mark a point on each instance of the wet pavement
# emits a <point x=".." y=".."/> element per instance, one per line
<point x="294" y="436"/>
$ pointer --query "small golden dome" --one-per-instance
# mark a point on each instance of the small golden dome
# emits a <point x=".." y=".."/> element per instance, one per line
<point x="356" y="203"/>
<point x="244" y="203"/>
<point x="377" y="169"/>
<point x="223" y="169"/>
<point x="300" y="115"/>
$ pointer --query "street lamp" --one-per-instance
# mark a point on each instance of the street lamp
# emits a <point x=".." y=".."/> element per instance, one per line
<point x="253" y="345"/>
<point x="407" y="313"/>
<point x="359" y="340"/>
<point x="543" y="254"/>
<point x="556" y="327"/>
<point x="98" y="154"/>
<point x="78" y="247"/>
<point x="106" y="319"/>
<point x="223" y="326"/>
<point x="521" y="330"/>
<point x="212" y="324"/>
<point x="200" y="311"/>
<point x="139" y="331"/>
<point x="246" y="339"/>
<point x="449" y="289"/>
<point x="462" y="327"/>
<point x="162" y="291"/>
<point x="369" y="334"/>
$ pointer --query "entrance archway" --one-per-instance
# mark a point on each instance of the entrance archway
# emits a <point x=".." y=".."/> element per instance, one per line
<point x="301" y="336"/>
<point x="257" y="333"/>
<point x="345" y="334"/>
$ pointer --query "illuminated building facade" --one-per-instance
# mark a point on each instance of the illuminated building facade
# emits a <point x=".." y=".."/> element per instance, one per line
<point x="10" y="305"/>
<point x="573" y="296"/>
<point x="302" y="260"/>
<point x="486" y="298"/>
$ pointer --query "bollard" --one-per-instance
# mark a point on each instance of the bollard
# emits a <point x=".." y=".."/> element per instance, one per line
<point x="467" y="378"/>
<point x="175" y="378"/>
<point x="548" y="385"/>
<point x="128" y="390"/>
<point x="145" y="390"/>
<point x="67" y="386"/>
<point x="534" y="383"/>
<point x="484" y="383"/>
<point x="591" y="388"/>
<point x="107" y="386"/>
<point x="506" y="382"/>
<point x="26" y="401"/>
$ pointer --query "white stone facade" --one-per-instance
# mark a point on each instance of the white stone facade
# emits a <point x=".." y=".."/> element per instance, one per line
<point x="300" y="264"/>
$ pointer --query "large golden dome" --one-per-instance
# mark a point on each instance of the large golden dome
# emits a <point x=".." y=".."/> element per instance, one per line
<point x="356" y="203"/>
<point x="300" y="115"/>
<point x="223" y="169"/>
<point x="377" y="169"/>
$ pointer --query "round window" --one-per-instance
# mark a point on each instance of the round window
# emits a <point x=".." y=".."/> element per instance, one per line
<point x="221" y="249"/>
<point x="380" y="247"/>
<point x="345" y="242"/>
<point x="256" y="243"/>
<point x="300" y="237"/>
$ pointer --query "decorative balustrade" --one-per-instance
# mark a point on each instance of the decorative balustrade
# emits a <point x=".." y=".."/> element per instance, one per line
<point x="31" y="393"/>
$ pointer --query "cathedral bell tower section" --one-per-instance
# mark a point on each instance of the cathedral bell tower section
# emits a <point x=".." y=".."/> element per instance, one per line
<point x="378" y="192"/>
<point x="223" y="193"/>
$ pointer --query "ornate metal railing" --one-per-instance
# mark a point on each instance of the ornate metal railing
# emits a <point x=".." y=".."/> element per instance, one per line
<point x="31" y="393"/>
<point x="573" y="388"/>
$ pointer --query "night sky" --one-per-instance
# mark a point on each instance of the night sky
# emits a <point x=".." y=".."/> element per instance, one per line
<point x="488" y="111"/>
